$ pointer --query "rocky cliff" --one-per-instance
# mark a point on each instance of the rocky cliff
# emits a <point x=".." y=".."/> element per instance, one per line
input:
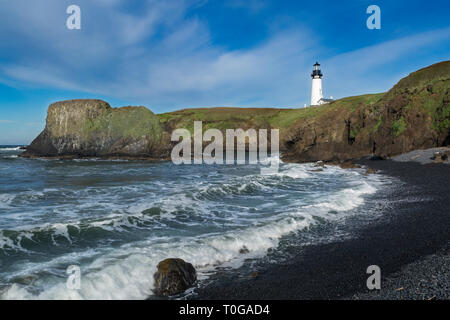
<point x="414" y="114"/>
<point x="84" y="128"/>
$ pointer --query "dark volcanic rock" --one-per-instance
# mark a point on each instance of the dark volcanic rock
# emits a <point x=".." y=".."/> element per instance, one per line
<point x="440" y="157"/>
<point x="320" y="164"/>
<point x="371" y="171"/>
<point x="349" y="165"/>
<point x="244" y="250"/>
<point x="174" y="276"/>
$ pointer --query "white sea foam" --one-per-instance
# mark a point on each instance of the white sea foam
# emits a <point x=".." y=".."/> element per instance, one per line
<point x="294" y="171"/>
<point x="346" y="199"/>
<point x="131" y="216"/>
<point x="10" y="149"/>
<point x="124" y="217"/>
<point x="130" y="277"/>
<point x="270" y="160"/>
<point x="6" y="199"/>
<point x="126" y="272"/>
<point x="60" y="229"/>
<point x="7" y="243"/>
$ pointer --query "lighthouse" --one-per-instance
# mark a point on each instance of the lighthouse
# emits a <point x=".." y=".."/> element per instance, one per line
<point x="316" y="92"/>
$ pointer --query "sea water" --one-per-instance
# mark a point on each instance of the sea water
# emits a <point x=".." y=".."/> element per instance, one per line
<point x="116" y="219"/>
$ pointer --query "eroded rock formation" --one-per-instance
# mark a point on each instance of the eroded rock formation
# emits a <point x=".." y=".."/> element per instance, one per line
<point x="414" y="114"/>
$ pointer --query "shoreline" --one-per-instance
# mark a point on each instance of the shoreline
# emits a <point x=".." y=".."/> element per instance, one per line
<point x="411" y="238"/>
<point x="99" y="157"/>
<point x="408" y="237"/>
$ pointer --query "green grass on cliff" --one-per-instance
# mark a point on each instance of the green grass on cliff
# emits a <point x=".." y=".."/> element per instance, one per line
<point x="230" y="118"/>
<point x="423" y="77"/>
<point x="285" y="118"/>
<point x="352" y="103"/>
<point x="399" y="126"/>
<point x="124" y="123"/>
<point x="233" y="118"/>
<point x="430" y="99"/>
<point x="136" y="122"/>
<point x="426" y="89"/>
<point x="425" y="92"/>
<point x="378" y="124"/>
<point x="219" y="118"/>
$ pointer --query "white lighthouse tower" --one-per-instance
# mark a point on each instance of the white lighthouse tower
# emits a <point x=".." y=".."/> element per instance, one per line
<point x="316" y="92"/>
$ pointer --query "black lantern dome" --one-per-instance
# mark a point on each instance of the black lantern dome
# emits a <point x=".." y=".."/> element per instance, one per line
<point x="316" y="72"/>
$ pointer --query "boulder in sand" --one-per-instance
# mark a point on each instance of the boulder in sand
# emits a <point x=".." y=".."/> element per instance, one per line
<point x="349" y="165"/>
<point x="174" y="276"/>
<point x="440" y="156"/>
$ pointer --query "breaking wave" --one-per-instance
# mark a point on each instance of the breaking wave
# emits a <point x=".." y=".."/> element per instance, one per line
<point x="117" y="227"/>
<point x="10" y="149"/>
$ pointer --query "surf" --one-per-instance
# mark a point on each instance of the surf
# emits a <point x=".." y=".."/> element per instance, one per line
<point x="117" y="229"/>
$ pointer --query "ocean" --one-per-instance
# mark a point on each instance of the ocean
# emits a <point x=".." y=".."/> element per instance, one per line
<point x="116" y="219"/>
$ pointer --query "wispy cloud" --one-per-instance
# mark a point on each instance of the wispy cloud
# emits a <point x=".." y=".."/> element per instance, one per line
<point x="359" y="69"/>
<point x="164" y="56"/>
<point x="159" y="55"/>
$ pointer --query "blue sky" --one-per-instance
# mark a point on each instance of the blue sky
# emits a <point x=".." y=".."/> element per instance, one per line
<point x="168" y="55"/>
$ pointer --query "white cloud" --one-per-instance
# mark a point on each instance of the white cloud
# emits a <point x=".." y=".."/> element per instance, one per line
<point x="159" y="56"/>
<point x="358" y="71"/>
<point x="164" y="57"/>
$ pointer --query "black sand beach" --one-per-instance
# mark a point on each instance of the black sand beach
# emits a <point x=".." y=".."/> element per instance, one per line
<point x="409" y="241"/>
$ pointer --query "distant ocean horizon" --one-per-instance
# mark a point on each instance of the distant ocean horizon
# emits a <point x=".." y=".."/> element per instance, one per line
<point x="7" y="146"/>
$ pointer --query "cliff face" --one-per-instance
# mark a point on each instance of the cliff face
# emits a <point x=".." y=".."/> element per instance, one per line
<point x="93" y="128"/>
<point x="414" y="114"/>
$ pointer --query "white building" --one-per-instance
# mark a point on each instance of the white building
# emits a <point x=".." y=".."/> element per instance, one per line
<point x="316" y="91"/>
